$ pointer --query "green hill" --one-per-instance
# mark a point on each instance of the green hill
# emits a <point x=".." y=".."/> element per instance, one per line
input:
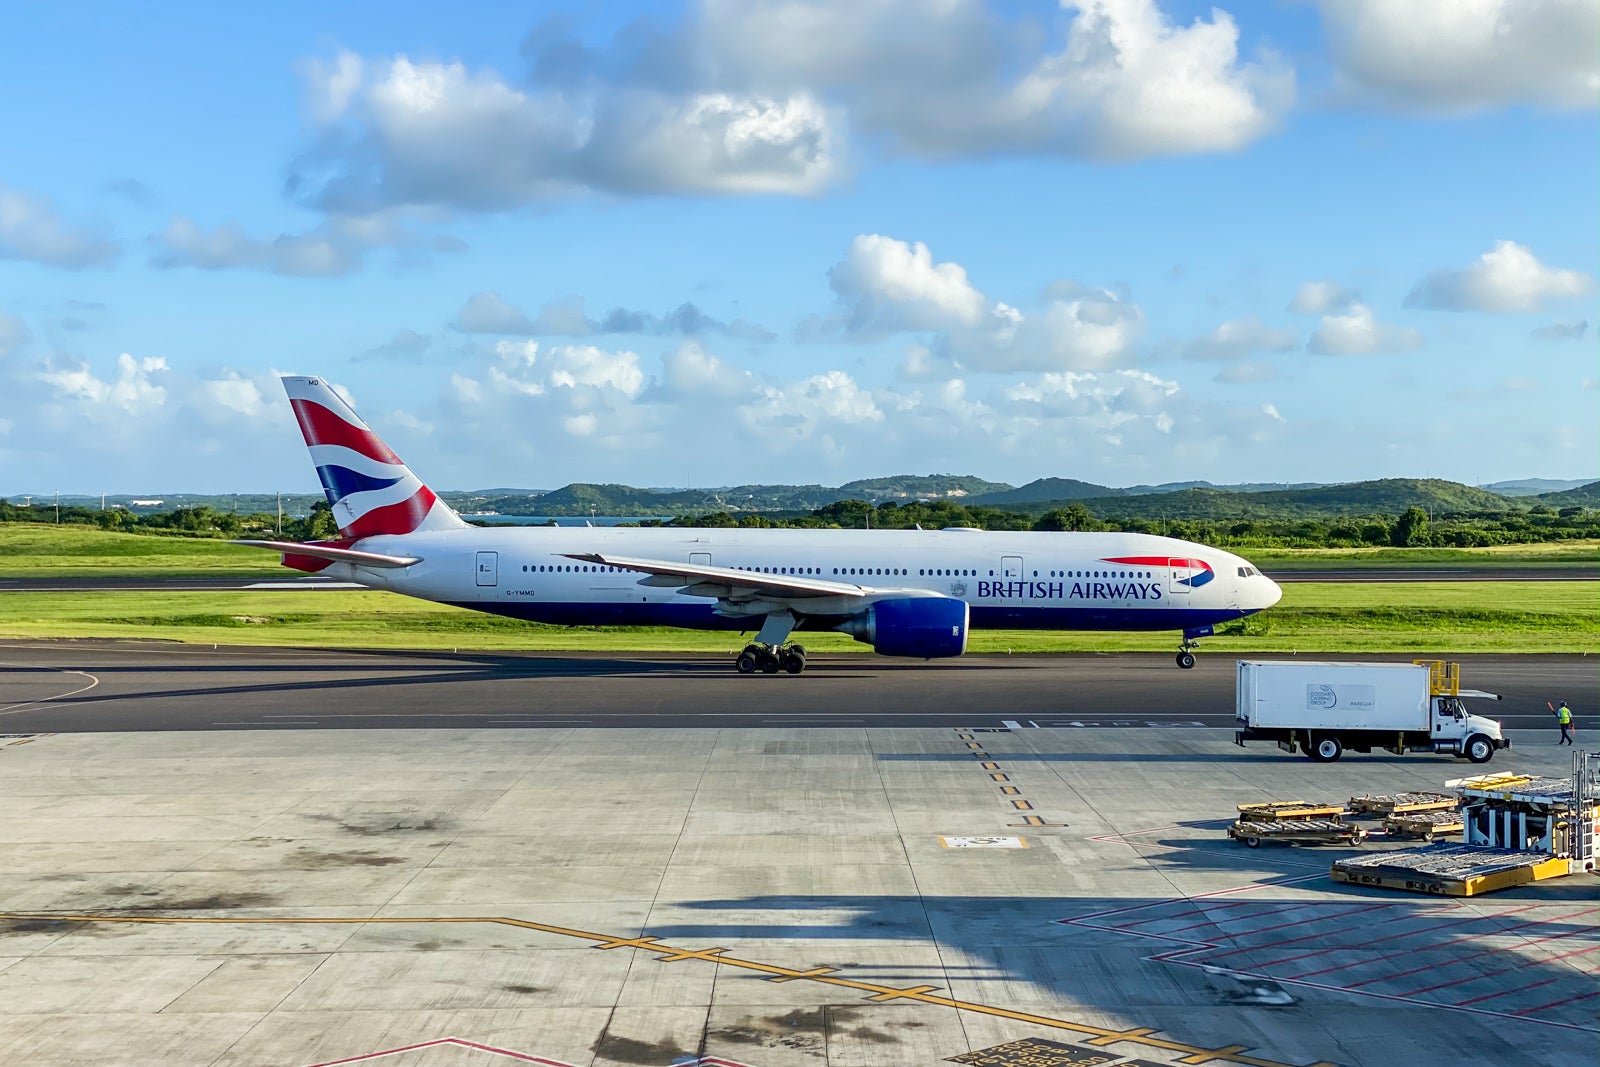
<point x="1586" y="496"/>
<point x="915" y="485"/>
<point x="1048" y="490"/>
<point x="1389" y="496"/>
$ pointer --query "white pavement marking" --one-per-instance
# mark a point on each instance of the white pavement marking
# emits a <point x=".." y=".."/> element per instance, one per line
<point x="16" y="709"/>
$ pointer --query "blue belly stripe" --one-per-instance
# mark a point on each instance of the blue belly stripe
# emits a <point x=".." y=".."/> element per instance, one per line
<point x="704" y="617"/>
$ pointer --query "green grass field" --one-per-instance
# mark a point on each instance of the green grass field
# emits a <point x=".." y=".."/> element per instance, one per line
<point x="38" y="550"/>
<point x="1429" y="617"/>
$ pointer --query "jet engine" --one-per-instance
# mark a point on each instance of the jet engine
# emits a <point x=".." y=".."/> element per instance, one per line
<point x="928" y="627"/>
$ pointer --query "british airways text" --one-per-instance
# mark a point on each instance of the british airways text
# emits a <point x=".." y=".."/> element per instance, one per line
<point x="1076" y="591"/>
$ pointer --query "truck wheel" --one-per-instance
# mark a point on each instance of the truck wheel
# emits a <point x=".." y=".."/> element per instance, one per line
<point x="1479" y="748"/>
<point x="1326" y="748"/>
<point x="1251" y="842"/>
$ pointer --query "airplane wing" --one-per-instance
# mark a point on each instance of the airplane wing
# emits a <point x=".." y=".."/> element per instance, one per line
<point x="731" y="583"/>
<point x="333" y="553"/>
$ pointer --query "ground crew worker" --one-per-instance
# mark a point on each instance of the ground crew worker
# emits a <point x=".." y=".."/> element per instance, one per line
<point x="1564" y="720"/>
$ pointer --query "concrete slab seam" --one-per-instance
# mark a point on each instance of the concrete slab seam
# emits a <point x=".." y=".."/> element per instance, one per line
<point x="925" y="994"/>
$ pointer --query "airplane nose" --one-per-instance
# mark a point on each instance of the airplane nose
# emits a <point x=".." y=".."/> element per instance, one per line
<point x="1274" y="592"/>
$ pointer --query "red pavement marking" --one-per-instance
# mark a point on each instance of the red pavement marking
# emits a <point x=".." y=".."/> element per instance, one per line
<point x="1203" y="911"/>
<point x="1296" y="940"/>
<point x="1401" y="952"/>
<point x="521" y="1057"/>
<point x="1486" y="952"/>
<point x="1078" y="920"/>
<point x="1558" y="1003"/>
<point x="1449" y="944"/>
<point x="1519" y="989"/>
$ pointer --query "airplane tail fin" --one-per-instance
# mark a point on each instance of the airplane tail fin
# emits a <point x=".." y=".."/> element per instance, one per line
<point x="371" y="490"/>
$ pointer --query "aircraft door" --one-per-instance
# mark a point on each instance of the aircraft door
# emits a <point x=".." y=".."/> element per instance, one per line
<point x="1011" y="567"/>
<point x="1177" y="575"/>
<point x="699" y="559"/>
<point x="488" y="568"/>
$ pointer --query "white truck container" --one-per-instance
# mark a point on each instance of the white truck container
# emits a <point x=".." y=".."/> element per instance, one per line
<point x="1326" y="708"/>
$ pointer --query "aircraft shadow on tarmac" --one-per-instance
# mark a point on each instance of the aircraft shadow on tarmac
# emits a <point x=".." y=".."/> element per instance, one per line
<point x="1241" y="954"/>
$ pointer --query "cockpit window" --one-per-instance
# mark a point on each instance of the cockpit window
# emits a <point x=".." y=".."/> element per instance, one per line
<point x="1245" y="572"/>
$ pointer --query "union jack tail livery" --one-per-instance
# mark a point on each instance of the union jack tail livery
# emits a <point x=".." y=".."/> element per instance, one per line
<point x="371" y="490"/>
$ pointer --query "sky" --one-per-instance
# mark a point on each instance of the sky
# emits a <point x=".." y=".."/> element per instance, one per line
<point x="797" y="241"/>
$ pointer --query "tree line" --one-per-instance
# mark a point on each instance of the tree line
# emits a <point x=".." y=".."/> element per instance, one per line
<point x="203" y="521"/>
<point x="1414" y="527"/>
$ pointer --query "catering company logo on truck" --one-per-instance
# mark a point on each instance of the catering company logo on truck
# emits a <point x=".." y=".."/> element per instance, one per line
<point x="1352" y="697"/>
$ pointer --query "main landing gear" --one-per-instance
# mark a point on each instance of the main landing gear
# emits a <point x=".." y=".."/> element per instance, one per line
<point x="770" y="659"/>
<point x="768" y="653"/>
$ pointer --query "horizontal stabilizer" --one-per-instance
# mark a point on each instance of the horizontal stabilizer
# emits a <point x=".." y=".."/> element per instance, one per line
<point x="334" y="554"/>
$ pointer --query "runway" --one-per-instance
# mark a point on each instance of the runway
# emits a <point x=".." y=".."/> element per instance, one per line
<point x="272" y="583"/>
<point x="60" y="687"/>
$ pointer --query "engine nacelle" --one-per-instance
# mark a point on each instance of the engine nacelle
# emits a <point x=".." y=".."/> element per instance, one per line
<point x="927" y="627"/>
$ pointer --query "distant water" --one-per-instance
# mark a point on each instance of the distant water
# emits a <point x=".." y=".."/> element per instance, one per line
<point x="565" y="520"/>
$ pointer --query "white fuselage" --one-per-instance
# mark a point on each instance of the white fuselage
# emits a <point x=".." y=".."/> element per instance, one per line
<point x="1044" y="581"/>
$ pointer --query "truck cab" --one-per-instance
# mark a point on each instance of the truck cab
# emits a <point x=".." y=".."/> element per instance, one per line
<point x="1458" y="731"/>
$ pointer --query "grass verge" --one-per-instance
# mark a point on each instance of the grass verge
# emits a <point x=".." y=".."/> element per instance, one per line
<point x="1421" y="617"/>
<point x="37" y="550"/>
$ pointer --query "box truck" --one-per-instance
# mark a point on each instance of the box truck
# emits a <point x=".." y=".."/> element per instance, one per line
<point x="1325" y="708"/>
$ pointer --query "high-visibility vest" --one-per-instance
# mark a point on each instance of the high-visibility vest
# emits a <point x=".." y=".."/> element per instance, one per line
<point x="1563" y="715"/>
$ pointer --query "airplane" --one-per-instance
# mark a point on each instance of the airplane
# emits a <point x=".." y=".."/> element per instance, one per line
<point x="914" y="593"/>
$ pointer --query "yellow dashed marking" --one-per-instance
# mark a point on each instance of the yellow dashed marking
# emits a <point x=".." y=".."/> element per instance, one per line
<point x="1022" y="805"/>
<point x="1099" y="1035"/>
<point x="1000" y="777"/>
<point x="1009" y="790"/>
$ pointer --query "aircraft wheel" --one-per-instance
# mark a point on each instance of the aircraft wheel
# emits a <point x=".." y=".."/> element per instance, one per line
<point x="1186" y="660"/>
<point x="770" y="663"/>
<point x="794" y="660"/>
<point x="746" y="663"/>
<point x="799" y="650"/>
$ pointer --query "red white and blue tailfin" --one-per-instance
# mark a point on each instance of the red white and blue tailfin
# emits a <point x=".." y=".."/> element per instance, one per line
<point x="371" y="490"/>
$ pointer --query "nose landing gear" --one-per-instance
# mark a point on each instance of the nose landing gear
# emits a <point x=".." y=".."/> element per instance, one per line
<point x="1191" y="639"/>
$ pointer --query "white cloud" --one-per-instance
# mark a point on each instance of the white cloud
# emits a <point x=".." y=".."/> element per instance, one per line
<point x="756" y="97"/>
<point x="1563" y="331"/>
<point x="886" y="286"/>
<point x="810" y="410"/>
<point x="424" y="133"/>
<point x="490" y="313"/>
<point x="1131" y="84"/>
<point x="1357" y="331"/>
<point x="336" y="247"/>
<point x="525" y="368"/>
<point x="693" y="373"/>
<point x="1507" y="278"/>
<point x="235" y="393"/>
<point x="31" y="230"/>
<point x="14" y="334"/>
<point x="1465" y="55"/>
<point x="954" y="77"/>
<point x="1319" y="298"/>
<point x="134" y="391"/>
<point x="890" y="285"/>
<point x="1238" y="338"/>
